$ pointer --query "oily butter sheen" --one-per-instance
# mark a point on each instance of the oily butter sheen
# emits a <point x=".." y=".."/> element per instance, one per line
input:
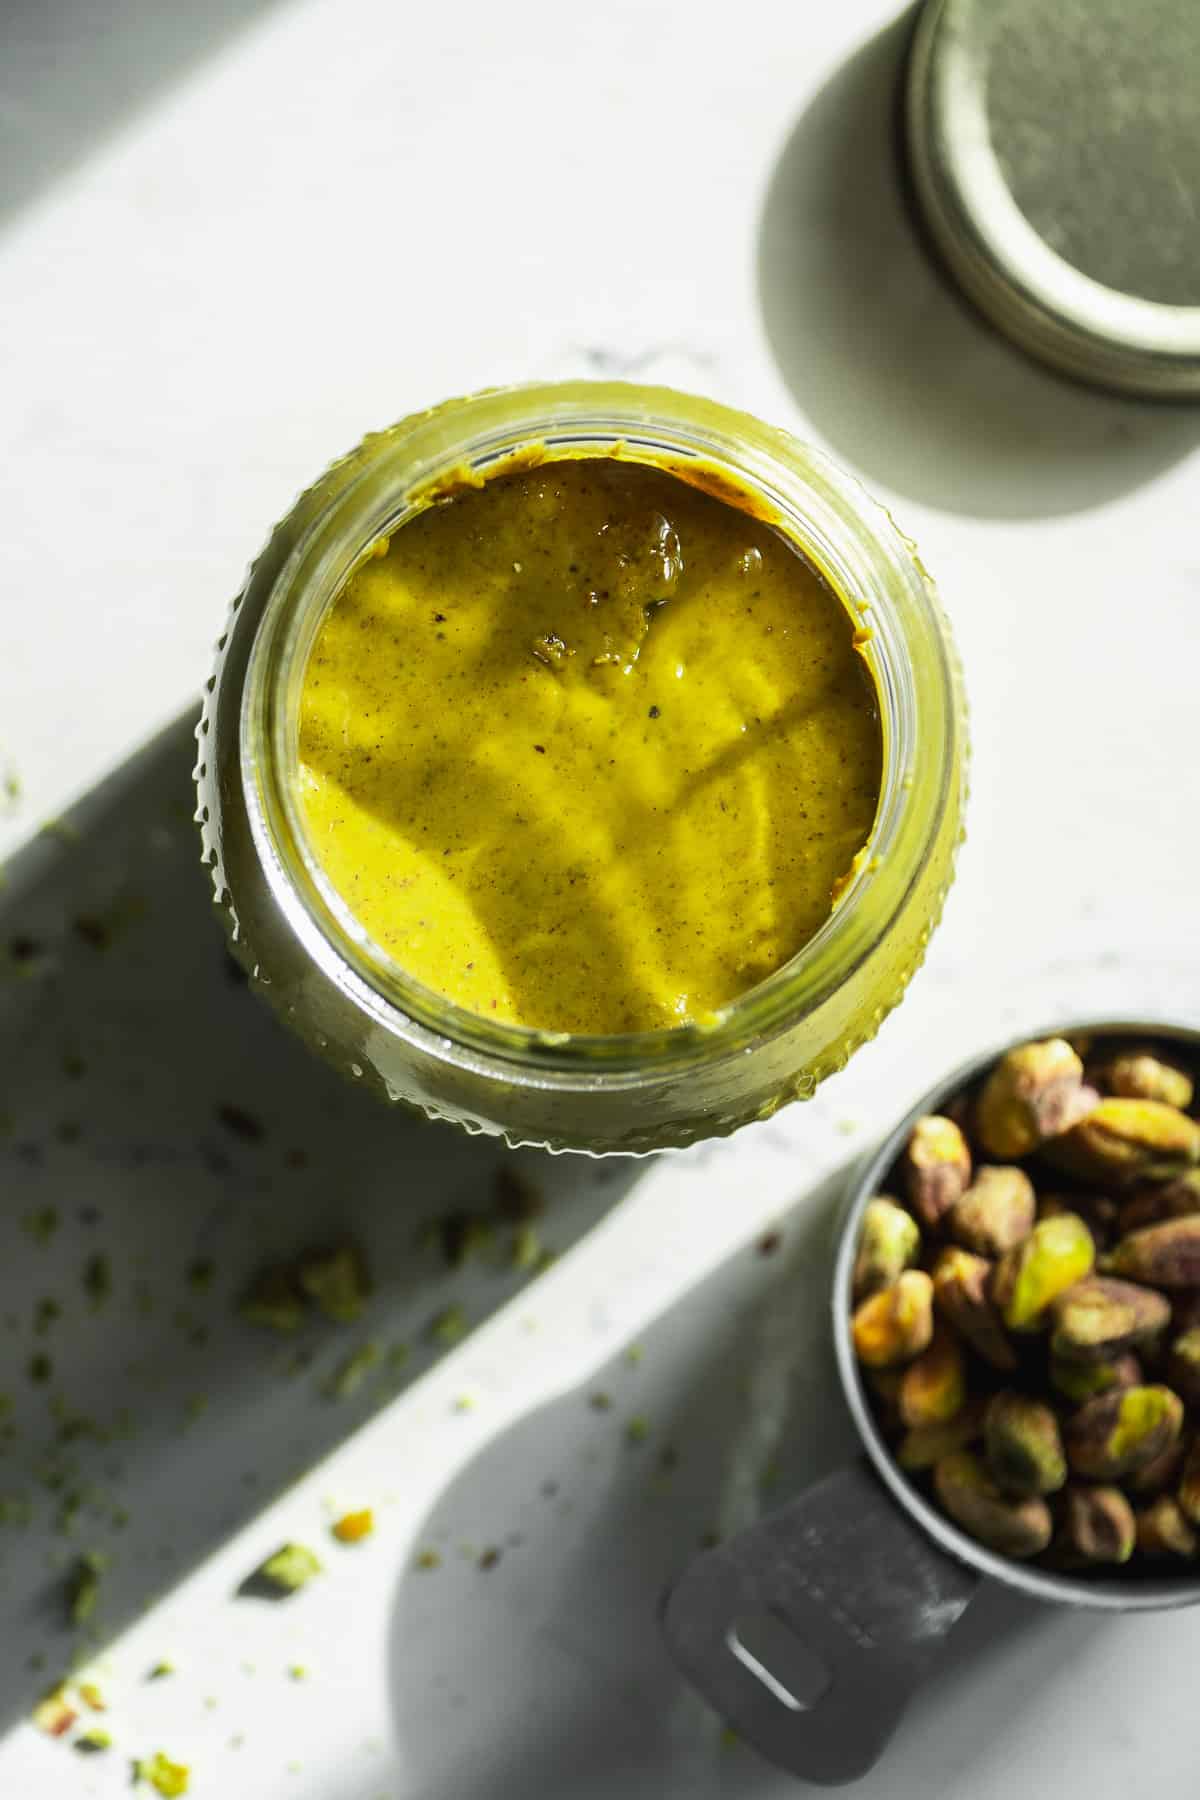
<point x="588" y="749"/>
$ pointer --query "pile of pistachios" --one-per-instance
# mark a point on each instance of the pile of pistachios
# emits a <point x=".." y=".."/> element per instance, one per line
<point x="1027" y="1306"/>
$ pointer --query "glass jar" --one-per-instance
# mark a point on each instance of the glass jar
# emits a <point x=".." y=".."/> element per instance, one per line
<point x="638" y="1092"/>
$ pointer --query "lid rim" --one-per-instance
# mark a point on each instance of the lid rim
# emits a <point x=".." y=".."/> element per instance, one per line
<point x="1049" y="308"/>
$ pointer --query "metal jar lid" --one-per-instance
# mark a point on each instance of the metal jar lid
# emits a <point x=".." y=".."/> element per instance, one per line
<point x="1055" y="153"/>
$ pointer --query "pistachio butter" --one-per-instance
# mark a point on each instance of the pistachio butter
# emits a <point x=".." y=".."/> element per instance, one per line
<point x="588" y="748"/>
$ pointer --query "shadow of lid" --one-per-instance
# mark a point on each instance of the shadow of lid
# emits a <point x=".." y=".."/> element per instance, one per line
<point x="890" y="364"/>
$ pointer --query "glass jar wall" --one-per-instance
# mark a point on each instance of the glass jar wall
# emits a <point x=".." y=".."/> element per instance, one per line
<point x="308" y="954"/>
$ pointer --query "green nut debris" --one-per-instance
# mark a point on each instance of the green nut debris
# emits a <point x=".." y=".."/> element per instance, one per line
<point x="289" y="1569"/>
<point x="336" y="1281"/>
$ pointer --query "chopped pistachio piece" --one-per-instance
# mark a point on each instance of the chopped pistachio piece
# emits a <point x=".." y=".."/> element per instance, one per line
<point x="54" y="1713"/>
<point x="353" y="1527"/>
<point x="45" y="1312"/>
<point x="170" y="1779"/>
<point x="290" y="1568"/>
<point x="97" y="1279"/>
<point x="200" y="1274"/>
<point x="83" y="1586"/>
<point x="449" y="1327"/>
<point x="526" y="1248"/>
<point x="462" y="1235"/>
<point x="41" y="1224"/>
<point x="273" y="1301"/>
<point x="336" y="1281"/>
<point x="517" y="1197"/>
<point x="353" y="1370"/>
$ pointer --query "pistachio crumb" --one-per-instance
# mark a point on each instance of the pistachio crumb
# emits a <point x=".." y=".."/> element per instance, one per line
<point x="290" y="1568"/>
<point x="200" y="1274"/>
<point x="167" y="1778"/>
<point x="83" y="1586"/>
<point x="45" y="1312"/>
<point x="336" y="1280"/>
<point x="54" y="1714"/>
<point x="273" y="1300"/>
<point x="41" y="1224"/>
<point x="449" y="1327"/>
<point x="353" y="1527"/>
<point x="97" y="1279"/>
<point x="526" y="1247"/>
<point x="350" y="1374"/>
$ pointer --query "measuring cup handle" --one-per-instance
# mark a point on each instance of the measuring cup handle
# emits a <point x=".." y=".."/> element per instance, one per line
<point x="811" y="1630"/>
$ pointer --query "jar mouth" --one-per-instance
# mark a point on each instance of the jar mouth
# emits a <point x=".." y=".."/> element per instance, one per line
<point x="825" y="513"/>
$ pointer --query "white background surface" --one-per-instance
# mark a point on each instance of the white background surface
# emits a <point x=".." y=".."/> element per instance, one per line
<point x="233" y="239"/>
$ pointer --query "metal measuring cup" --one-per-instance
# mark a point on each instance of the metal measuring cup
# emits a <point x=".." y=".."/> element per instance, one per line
<point x="811" y="1630"/>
